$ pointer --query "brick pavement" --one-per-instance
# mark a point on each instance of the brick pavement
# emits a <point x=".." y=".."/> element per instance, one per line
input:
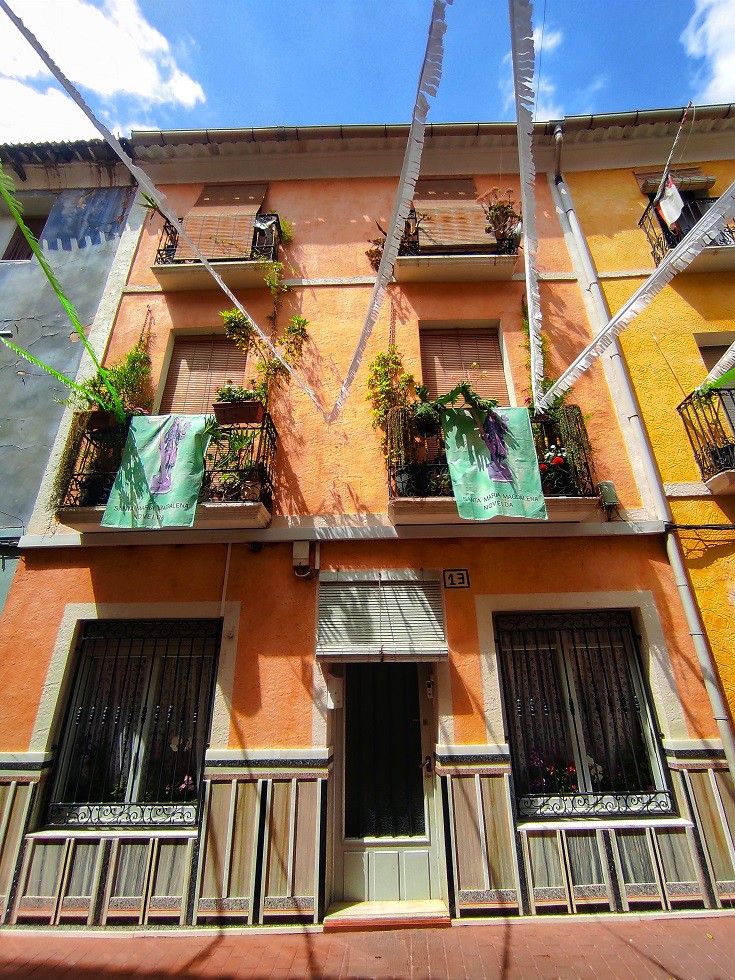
<point x="701" y="947"/>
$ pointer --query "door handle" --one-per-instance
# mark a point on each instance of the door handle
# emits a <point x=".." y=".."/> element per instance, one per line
<point x="428" y="766"/>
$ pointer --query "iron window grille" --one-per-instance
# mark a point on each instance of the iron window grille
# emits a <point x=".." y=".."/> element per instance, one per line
<point x="579" y="725"/>
<point x="132" y="746"/>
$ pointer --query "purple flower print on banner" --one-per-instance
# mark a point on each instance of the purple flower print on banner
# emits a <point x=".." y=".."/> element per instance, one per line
<point x="168" y="448"/>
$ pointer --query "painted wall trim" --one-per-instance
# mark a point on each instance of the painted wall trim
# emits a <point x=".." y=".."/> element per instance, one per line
<point x="463" y="751"/>
<point x="58" y="674"/>
<point x="657" y="666"/>
<point x="693" y="489"/>
<point x="328" y="530"/>
<point x="228" y="757"/>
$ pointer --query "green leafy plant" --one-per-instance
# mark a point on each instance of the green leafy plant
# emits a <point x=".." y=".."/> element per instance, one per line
<point x="555" y="408"/>
<point x="131" y="378"/>
<point x="238" y="327"/>
<point x="237" y="393"/>
<point x="286" y="231"/>
<point x="271" y="372"/>
<point x="503" y="221"/>
<point x="108" y="397"/>
<point x="389" y="387"/>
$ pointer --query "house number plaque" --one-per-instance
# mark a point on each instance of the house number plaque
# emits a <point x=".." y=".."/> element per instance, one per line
<point x="456" y="578"/>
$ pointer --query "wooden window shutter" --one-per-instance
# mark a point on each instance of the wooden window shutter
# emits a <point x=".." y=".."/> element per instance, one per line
<point x="221" y="222"/>
<point x="451" y="356"/>
<point x="454" y="220"/>
<point x="199" y="366"/>
<point x="18" y="247"/>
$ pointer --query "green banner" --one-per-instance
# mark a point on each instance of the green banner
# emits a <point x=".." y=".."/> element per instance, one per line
<point x="161" y="473"/>
<point x="726" y="381"/>
<point x="493" y="464"/>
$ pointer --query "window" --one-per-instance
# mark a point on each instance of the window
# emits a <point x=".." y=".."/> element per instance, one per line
<point x="18" y="248"/>
<point x="452" y="355"/>
<point x="724" y="408"/>
<point x="132" y="746"/>
<point x="198" y="367"/>
<point x="580" y="731"/>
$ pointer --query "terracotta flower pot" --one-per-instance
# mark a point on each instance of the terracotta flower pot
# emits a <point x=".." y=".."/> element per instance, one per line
<point x="234" y="413"/>
<point x="99" y="418"/>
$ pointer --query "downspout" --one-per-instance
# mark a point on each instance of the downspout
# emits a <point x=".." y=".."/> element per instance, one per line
<point x="631" y="408"/>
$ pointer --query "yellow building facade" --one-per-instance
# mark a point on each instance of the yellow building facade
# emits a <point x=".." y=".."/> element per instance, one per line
<point x="669" y="350"/>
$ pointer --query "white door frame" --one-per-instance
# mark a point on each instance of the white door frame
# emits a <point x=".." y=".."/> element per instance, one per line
<point x="434" y="837"/>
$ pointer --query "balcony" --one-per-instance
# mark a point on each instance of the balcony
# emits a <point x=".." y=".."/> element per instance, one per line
<point x="420" y="486"/>
<point x="709" y="420"/>
<point x="237" y="489"/>
<point x="717" y="257"/>
<point x="237" y="245"/>
<point x="446" y="247"/>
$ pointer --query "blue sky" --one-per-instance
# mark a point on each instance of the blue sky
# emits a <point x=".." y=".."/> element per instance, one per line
<point x="180" y="64"/>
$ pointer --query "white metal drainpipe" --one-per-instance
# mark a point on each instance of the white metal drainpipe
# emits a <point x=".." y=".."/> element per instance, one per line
<point x="631" y="408"/>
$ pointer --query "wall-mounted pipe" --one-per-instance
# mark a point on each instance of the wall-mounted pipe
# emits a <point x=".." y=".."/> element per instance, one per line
<point x="631" y="408"/>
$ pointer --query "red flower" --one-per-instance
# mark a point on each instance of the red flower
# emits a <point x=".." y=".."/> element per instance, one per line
<point x="557" y="460"/>
<point x="543" y="467"/>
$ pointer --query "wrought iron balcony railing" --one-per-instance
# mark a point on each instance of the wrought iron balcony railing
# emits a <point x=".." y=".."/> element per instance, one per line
<point x="238" y="467"/>
<point x="223" y="238"/>
<point x="418" y="466"/>
<point x="662" y="239"/>
<point x="709" y="420"/>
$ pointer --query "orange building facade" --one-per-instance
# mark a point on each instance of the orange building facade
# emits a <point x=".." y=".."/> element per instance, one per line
<point x="331" y="691"/>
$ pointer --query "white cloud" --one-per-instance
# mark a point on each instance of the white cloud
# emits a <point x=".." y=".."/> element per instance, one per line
<point x="548" y="105"/>
<point x="37" y="116"/>
<point x="550" y="41"/>
<point x="709" y="36"/>
<point x="111" y="51"/>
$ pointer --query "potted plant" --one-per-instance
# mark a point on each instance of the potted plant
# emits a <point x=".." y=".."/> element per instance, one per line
<point x="131" y="379"/>
<point x="236" y="405"/>
<point x="503" y="221"/>
<point x="272" y="372"/>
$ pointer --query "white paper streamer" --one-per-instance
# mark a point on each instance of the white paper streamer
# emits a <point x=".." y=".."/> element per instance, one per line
<point x="522" y="53"/>
<point x="723" y="365"/>
<point x="152" y="191"/>
<point x="702" y="234"/>
<point x="431" y="73"/>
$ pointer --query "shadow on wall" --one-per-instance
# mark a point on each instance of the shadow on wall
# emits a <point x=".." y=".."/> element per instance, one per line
<point x="83" y="218"/>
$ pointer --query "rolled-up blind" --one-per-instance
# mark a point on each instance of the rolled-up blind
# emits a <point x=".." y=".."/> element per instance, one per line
<point x="222" y="220"/>
<point x="199" y="366"/>
<point x="451" y="356"/>
<point x="452" y="219"/>
<point x="372" y="620"/>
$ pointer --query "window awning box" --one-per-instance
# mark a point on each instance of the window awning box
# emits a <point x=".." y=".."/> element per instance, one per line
<point x="685" y="178"/>
<point x="381" y="619"/>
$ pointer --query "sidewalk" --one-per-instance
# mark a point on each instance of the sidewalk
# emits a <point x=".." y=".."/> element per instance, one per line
<point x="701" y="947"/>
